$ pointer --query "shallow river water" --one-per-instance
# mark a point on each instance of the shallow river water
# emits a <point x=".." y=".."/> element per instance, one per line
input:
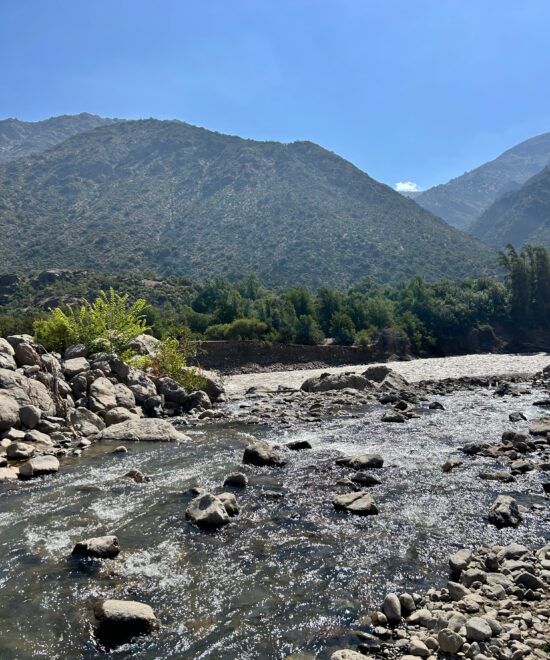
<point x="290" y="576"/>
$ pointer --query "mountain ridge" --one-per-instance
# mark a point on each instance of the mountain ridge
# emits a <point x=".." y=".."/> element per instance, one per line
<point x="464" y="198"/>
<point x="185" y="200"/>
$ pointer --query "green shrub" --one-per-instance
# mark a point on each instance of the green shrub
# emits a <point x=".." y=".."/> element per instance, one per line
<point x="308" y="331"/>
<point x="109" y="323"/>
<point x="239" y="330"/>
<point x="342" y="329"/>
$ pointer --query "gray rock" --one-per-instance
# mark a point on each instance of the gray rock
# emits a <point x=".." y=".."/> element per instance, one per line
<point x="326" y="382"/>
<point x="79" y="385"/>
<point x="101" y="547"/>
<point x="236" y="480"/>
<point x="450" y="464"/>
<point x="207" y="510"/>
<point x="38" y="437"/>
<point x="7" y="362"/>
<point x="25" y="354"/>
<point x="460" y="560"/>
<point x="124" y="396"/>
<point x="365" y="479"/>
<point x="144" y="345"/>
<point x="213" y="387"/>
<point x="347" y="654"/>
<point x="39" y="466"/>
<point x="359" y="503"/>
<point x="230" y="503"/>
<point x="362" y="462"/>
<point x="8" y="474"/>
<point x="171" y="390"/>
<point x="393" y="417"/>
<point x="261" y="454"/>
<point x="9" y="411"/>
<point x="449" y="641"/>
<point x="392" y="608"/>
<point x="418" y="649"/>
<point x="102" y="395"/>
<point x="517" y="417"/>
<point x="118" y="415"/>
<point x="29" y="416"/>
<point x="457" y="591"/>
<point x="19" y="451"/>
<point x="140" y="384"/>
<point x="197" y="399"/>
<point x="528" y="580"/>
<point x="478" y="630"/>
<point x="298" y="445"/>
<point x="6" y="348"/>
<point x="540" y="426"/>
<point x="86" y="421"/>
<point x="497" y="475"/>
<point x="75" y="366"/>
<point x="152" y="406"/>
<point x="144" y="430"/>
<point x="75" y="351"/>
<point x="377" y="372"/>
<point x="504" y="512"/>
<point x="118" y="621"/>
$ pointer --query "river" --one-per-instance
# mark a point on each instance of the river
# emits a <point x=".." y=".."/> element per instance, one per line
<point x="290" y="576"/>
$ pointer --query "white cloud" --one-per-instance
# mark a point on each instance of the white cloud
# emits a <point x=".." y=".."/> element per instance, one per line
<point x="406" y="186"/>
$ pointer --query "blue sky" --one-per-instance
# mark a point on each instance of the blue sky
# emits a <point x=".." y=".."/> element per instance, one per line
<point x="408" y="90"/>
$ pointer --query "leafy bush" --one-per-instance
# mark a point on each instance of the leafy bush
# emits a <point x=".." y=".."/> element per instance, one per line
<point x="109" y="323"/>
<point x="342" y="329"/>
<point x="239" y="330"/>
<point x="171" y="359"/>
<point x="308" y="330"/>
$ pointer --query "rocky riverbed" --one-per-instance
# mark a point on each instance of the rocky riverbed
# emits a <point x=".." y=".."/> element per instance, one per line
<point x="340" y="493"/>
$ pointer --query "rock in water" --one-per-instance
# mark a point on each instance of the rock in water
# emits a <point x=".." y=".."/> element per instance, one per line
<point x="362" y="462"/>
<point x="326" y="382"/>
<point x="236" y="480"/>
<point x="118" y="621"/>
<point x="505" y="512"/>
<point x="260" y="453"/>
<point x="144" y="430"/>
<point x="102" y="547"/>
<point x="207" y="510"/>
<point x="540" y="426"/>
<point x="360" y="503"/>
<point x="347" y="654"/>
<point x="38" y="466"/>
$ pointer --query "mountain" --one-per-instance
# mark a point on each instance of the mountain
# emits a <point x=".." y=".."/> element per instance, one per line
<point x="177" y="199"/>
<point x="519" y="217"/>
<point x="462" y="200"/>
<point x="21" y="138"/>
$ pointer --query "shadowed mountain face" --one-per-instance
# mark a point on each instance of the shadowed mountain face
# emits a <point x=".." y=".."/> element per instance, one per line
<point x="21" y="138"/>
<point x="174" y="198"/>
<point x="461" y="201"/>
<point x="521" y="216"/>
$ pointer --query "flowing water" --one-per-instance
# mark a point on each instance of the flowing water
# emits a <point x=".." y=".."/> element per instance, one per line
<point x="290" y="576"/>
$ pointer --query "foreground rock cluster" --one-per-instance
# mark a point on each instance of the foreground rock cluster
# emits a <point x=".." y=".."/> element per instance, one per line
<point x="53" y="406"/>
<point x="495" y="606"/>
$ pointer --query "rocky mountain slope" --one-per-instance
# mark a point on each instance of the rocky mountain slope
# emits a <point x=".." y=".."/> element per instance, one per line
<point x="463" y="199"/>
<point x="519" y="217"/>
<point x="178" y="199"/>
<point x="21" y="138"/>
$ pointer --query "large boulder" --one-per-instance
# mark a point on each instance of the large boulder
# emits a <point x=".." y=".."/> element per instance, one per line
<point x="144" y="345"/>
<point x="101" y="547"/>
<point x="377" y="372"/>
<point x="29" y="416"/>
<point x="171" y="390"/>
<point x="6" y="348"/>
<point x="144" y="430"/>
<point x="124" y="396"/>
<point x="86" y="421"/>
<point x="207" y="510"/>
<point x="261" y="454"/>
<point x="505" y="512"/>
<point x="26" y="355"/>
<point x="75" y="351"/>
<point x="9" y="411"/>
<point x="197" y="399"/>
<point x="26" y="391"/>
<point x="212" y="386"/>
<point x="8" y="474"/>
<point x="360" y="503"/>
<point x="118" y="621"/>
<point x="75" y="366"/>
<point x="7" y="360"/>
<point x="102" y="395"/>
<point x="118" y="415"/>
<point x="326" y="382"/>
<point x="19" y="451"/>
<point x="39" y="466"/>
<point x="141" y="385"/>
